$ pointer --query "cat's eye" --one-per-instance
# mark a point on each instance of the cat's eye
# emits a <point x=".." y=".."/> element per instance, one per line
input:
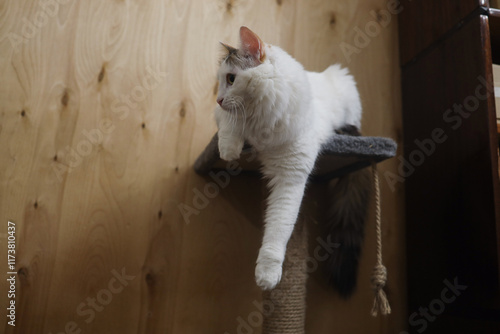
<point x="230" y="78"/>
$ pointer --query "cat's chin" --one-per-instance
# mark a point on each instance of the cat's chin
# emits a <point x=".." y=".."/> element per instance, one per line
<point x="222" y="108"/>
<point x="228" y="110"/>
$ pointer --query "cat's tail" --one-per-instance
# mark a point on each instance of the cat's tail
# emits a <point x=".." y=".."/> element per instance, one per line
<point x="349" y="199"/>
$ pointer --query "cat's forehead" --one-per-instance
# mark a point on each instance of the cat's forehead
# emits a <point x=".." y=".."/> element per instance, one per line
<point x="226" y="67"/>
<point x="234" y="59"/>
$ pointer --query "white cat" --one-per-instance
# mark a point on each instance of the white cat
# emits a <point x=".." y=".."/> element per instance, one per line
<point x="267" y="99"/>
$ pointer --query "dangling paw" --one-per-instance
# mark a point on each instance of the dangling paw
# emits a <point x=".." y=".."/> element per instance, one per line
<point x="267" y="272"/>
<point x="229" y="151"/>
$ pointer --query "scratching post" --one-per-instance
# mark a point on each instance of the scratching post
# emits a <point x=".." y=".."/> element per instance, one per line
<point x="286" y="304"/>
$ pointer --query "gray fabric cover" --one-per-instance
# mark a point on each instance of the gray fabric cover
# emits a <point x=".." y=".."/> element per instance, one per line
<point x="340" y="155"/>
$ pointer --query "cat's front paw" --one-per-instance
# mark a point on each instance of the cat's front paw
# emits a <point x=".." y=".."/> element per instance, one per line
<point x="268" y="273"/>
<point x="229" y="153"/>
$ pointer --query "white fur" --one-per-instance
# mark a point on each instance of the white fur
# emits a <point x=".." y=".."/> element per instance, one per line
<point x="286" y="114"/>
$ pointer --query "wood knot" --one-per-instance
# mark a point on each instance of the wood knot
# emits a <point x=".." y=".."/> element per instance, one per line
<point x="160" y="214"/>
<point x="150" y="281"/>
<point x="216" y="88"/>
<point x="182" y="112"/>
<point x="279" y="2"/>
<point x="23" y="272"/>
<point x="65" y="98"/>
<point x="23" y="113"/>
<point x="333" y="19"/>
<point x="378" y="16"/>
<point x="101" y="74"/>
<point x="177" y="169"/>
<point x="229" y="6"/>
<point x="55" y="157"/>
<point x="35" y="205"/>
<point x="143" y="125"/>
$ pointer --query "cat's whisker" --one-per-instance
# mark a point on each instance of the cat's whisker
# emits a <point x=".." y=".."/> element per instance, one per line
<point x="231" y="121"/>
<point x="234" y="106"/>
<point x="239" y="106"/>
<point x="233" y="114"/>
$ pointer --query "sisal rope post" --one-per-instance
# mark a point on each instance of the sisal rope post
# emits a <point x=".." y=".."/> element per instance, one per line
<point x="285" y="305"/>
<point x="379" y="274"/>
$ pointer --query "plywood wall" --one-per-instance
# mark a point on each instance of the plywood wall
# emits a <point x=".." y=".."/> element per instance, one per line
<point x="105" y="105"/>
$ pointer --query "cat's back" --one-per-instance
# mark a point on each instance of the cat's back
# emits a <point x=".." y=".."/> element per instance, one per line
<point x="288" y="68"/>
<point x="335" y="96"/>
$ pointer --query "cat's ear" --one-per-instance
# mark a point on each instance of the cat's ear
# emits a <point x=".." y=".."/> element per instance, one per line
<point x="229" y="48"/>
<point x="251" y="44"/>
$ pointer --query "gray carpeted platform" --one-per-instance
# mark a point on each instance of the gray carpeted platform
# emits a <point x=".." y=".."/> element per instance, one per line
<point x="342" y="154"/>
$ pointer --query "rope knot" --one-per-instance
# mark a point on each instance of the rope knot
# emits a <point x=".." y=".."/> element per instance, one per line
<point x="379" y="277"/>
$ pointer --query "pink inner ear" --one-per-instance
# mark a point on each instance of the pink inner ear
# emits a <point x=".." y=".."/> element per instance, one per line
<point x="252" y="44"/>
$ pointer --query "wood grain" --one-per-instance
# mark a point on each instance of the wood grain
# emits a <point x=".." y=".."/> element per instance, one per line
<point x="104" y="107"/>
<point x="456" y="235"/>
<point x="429" y="21"/>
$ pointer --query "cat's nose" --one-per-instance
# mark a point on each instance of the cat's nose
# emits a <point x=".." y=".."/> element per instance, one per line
<point x="219" y="101"/>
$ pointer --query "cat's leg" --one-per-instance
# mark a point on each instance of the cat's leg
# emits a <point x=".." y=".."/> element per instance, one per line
<point x="230" y="136"/>
<point x="230" y="145"/>
<point x="283" y="206"/>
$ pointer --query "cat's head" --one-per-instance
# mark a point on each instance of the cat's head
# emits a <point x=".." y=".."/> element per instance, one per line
<point x="233" y="73"/>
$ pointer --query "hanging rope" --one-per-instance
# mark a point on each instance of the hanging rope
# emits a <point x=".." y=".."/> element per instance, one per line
<point x="379" y="274"/>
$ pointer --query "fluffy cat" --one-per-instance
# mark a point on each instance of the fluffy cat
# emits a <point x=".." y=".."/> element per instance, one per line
<point x="286" y="113"/>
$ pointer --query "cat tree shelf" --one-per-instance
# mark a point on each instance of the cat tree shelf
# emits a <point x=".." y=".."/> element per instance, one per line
<point x="342" y="154"/>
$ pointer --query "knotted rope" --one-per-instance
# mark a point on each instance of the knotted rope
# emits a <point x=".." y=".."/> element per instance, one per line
<point x="379" y="273"/>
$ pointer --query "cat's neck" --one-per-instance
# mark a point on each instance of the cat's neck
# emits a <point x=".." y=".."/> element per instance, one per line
<point x="281" y="107"/>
